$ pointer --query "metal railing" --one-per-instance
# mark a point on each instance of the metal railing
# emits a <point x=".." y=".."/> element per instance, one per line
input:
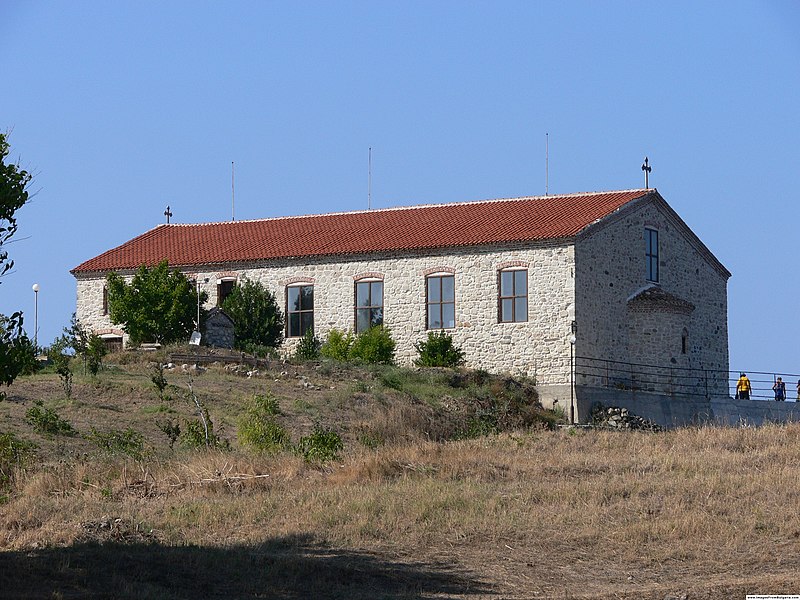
<point x="671" y="380"/>
<point x="761" y="383"/>
<point x="677" y="381"/>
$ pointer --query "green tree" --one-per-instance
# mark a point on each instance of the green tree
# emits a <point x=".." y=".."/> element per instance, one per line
<point x="158" y="305"/>
<point x="14" y="345"/>
<point x="256" y="317"/>
<point x="88" y="346"/>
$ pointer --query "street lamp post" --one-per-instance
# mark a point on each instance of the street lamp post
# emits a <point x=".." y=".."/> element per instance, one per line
<point x="197" y="284"/>
<point x="35" y="288"/>
<point x="572" y="339"/>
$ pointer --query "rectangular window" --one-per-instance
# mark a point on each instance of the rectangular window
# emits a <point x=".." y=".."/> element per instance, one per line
<point x="441" y="302"/>
<point x="299" y="310"/>
<point x="651" y="254"/>
<point x="224" y="289"/>
<point x="369" y="304"/>
<point x="105" y="300"/>
<point x="513" y="296"/>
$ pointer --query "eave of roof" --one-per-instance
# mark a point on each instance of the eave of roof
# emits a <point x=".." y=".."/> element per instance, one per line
<point x="413" y="228"/>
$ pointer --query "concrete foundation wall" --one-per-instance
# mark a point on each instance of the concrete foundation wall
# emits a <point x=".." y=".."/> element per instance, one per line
<point x="682" y="411"/>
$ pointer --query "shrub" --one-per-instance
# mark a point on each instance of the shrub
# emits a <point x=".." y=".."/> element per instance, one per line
<point x="61" y="363"/>
<point x="195" y="436"/>
<point x="95" y="351"/>
<point x="374" y="346"/>
<point x="439" y="351"/>
<point x="308" y="347"/>
<point x="322" y="445"/>
<point x="505" y="405"/>
<point x="259" y="429"/>
<point x="171" y="429"/>
<point x="14" y="452"/>
<point x="337" y="345"/>
<point x="159" y="381"/>
<point x="119" y="441"/>
<point x="47" y="421"/>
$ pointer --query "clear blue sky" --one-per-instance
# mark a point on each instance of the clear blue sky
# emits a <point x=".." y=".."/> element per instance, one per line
<point x="122" y="108"/>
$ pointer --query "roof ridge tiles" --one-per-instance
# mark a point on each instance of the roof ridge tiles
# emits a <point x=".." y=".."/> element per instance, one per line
<point x="394" y="229"/>
<point x="410" y="207"/>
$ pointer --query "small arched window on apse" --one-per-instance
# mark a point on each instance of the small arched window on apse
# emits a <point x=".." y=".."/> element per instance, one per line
<point x="685" y="341"/>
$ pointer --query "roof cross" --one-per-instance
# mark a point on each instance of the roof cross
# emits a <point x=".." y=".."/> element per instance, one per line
<point x="646" y="168"/>
<point x="168" y="214"/>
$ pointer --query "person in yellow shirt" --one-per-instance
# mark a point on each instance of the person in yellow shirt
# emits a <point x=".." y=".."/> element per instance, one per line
<point x="743" y="388"/>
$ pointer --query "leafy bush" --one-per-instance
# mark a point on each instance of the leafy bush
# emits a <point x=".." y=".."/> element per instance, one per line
<point x="374" y="346"/>
<point x="337" y="345"/>
<point x="309" y="346"/>
<point x="259" y="429"/>
<point x="439" y="351"/>
<point x="119" y="441"/>
<point x="258" y="322"/>
<point x="171" y="429"/>
<point x="322" y="445"/>
<point x="47" y="421"/>
<point x="195" y="437"/>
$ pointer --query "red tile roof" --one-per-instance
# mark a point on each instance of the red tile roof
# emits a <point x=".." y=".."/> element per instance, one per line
<point x="391" y="229"/>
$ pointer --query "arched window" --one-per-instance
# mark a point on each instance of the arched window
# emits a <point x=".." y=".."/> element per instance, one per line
<point x="440" y="301"/>
<point x="224" y="288"/>
<point x="368" y="303"/>
<point x="512" y="297"/>
<point x="685" y="341"/>
<point x="299" y="310"/>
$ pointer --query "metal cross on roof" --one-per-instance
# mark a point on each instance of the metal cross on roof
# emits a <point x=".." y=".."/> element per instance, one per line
<point x="168" y="214"/>
<point x="646" y="168"/>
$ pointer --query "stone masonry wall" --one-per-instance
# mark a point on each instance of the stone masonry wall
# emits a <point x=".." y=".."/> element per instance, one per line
<point x="536" y="348"/>
<point x="610" y="268"/>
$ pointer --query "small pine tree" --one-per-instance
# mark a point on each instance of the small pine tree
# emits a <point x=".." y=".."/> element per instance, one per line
<point x="439" y="351"/>
<point x="309" y="346"/>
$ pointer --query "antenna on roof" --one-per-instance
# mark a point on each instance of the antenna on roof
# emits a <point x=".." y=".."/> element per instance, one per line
<point x="233" y="197"/>
<point x="646" y="168"/>
<point x="369" y="180"/>
<point x="546" y="163"/>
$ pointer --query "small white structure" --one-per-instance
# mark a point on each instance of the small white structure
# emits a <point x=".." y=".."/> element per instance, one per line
<point x="512" y="280"/>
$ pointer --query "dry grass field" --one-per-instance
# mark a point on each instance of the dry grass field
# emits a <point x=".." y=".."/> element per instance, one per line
<point x="407" y="511"/>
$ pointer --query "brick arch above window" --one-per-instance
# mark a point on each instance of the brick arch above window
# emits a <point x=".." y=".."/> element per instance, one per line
<point x="297" y="280"/>
<point x="227" y="275"/>
<point x="513" y="264"/>
<point x="118" y="332"/>
<point x="439" y="270"/>
<point x="369" y="275"/>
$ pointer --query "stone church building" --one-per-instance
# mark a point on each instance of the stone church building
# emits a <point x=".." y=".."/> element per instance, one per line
<point x="577" y="291"/>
